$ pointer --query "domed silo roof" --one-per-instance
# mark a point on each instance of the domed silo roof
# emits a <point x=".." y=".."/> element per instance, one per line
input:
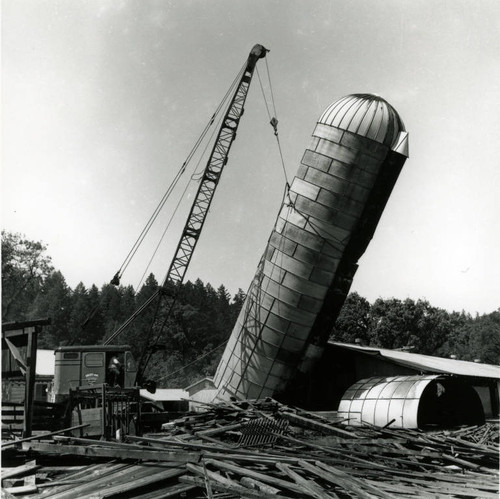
<point x="367" y="115"/>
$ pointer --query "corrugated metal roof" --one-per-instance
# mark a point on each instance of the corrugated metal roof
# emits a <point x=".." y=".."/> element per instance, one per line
<point x="428" y="363"/>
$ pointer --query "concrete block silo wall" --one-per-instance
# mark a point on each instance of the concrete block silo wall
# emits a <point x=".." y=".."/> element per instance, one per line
<point x="335" y="201"/>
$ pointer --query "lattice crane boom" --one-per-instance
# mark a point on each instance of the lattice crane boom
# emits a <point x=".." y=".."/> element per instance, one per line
<point x="213" y="170"/>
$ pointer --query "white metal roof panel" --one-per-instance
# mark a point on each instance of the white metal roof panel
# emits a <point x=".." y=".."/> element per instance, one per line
<point x="165" y="394"/>
<point x="45" y="362"/>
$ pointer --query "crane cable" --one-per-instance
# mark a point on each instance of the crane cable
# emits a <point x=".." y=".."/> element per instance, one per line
<point x="156" y="212"/>
<point x="273" y="120"/>
<point x="168" y="375"/>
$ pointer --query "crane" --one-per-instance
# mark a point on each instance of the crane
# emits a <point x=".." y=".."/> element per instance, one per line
<point x="210" y="178"/>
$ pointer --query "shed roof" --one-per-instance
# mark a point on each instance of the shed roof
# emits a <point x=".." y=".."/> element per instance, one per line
<point x="201" y="384"/>
<point x="165" y="394"/>
<point x="428" y="363"/>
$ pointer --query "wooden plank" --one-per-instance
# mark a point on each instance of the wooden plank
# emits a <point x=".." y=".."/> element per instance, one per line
<point x="40" y="436"/>
<point x="314" y="425"/>
<point x="206" y="477"/>
<point x="22" y="490"/>
<point x="310" y="487"/>
<point x="29" y="401"/>
<point x="348" y="482"/>
<point x="217" y="431"/>
<point x="276" y="482"/>
<point x="115" y="453"/>
<point x="62" y="483"/>
<point x="101" y="473"/>
<point x="402" y="490"/>
<point x="342" y="482"/>
<point x="178" y="490"/>
<point x="251" y="483"/>
<point x="127" y="485"/>
<point x="19" y="470"/>
<point x="200" y="483"/>
<point x="6" y="495"/>
<point x="98" y="487"/>
<point x="214" y="450"/>
<point x="218" y="481"/>
<point x="268" y="458"/>
<point x="432" y="486"/>
<point x="464" y="462"/>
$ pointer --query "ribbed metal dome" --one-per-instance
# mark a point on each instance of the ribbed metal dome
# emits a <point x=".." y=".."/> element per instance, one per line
<point x="367" y="115"/>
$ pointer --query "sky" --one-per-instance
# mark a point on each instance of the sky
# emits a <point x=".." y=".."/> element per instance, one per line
<point x="102" y="101"/>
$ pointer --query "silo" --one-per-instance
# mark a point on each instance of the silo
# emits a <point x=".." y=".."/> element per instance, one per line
<point x="335" y="201"/>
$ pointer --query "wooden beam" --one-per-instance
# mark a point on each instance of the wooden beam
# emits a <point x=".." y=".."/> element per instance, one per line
<point x="19" y="470"/>
<point x="23" y="489"/>
<point x="111" y="452"/>
<point x="314" y="425"/>
<point x="29" y="400"/>
<point x="276" y="482"/>
<point x="6" y="495"/>
<point x="311" y="488"/>
<point x="126" y="485"/>
<point x="10" y="326"/>
<point x="43" y="435"/>
<point x="217" y="481"/>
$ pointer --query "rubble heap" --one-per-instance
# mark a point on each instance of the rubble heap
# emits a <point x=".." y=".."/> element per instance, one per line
<point x="262" y="449"/>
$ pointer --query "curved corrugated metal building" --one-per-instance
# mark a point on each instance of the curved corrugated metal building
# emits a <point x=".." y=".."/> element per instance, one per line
<point x="411" y="402"/>
<point x="347" y="173"/>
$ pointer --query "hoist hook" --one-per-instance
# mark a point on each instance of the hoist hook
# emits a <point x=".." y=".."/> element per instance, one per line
<point x="274" y="124"/>
<point x="116" y="279"/>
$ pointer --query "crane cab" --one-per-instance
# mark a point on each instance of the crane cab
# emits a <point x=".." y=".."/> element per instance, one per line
<point x="87" y="365"/>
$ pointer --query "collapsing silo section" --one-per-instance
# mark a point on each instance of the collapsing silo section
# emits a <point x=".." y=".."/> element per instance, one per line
<point x="357" y="150"/>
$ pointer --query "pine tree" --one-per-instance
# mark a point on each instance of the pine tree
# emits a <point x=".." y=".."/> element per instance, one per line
<point x="53" y="301"/>
<point x="80" y="313"/>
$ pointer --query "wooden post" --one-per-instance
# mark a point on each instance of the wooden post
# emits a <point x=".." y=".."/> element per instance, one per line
<point x="104" y="429"/>
<point x="29" y="398"/>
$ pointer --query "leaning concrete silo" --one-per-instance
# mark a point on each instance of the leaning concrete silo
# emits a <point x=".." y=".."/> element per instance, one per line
<point x="357" y="150"/>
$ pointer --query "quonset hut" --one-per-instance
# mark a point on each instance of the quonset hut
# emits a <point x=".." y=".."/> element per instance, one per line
<point x="334" y="204"/>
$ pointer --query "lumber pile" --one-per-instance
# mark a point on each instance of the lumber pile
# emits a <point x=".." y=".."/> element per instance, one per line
<point x="262" y="449"/>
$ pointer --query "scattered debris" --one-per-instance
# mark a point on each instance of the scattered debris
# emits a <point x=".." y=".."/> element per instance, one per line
<point x="262" y="449"/>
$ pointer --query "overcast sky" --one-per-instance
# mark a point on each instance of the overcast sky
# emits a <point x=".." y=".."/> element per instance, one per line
<point x="103" y="100"/>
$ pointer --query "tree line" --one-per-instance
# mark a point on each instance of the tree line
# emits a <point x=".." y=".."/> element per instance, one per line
<point x="418" y="327"/>
<point x="193" y="335"/>
<point x="202" y="318"/>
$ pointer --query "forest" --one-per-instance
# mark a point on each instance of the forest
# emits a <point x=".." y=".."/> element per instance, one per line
<point x="203" y="316"/>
